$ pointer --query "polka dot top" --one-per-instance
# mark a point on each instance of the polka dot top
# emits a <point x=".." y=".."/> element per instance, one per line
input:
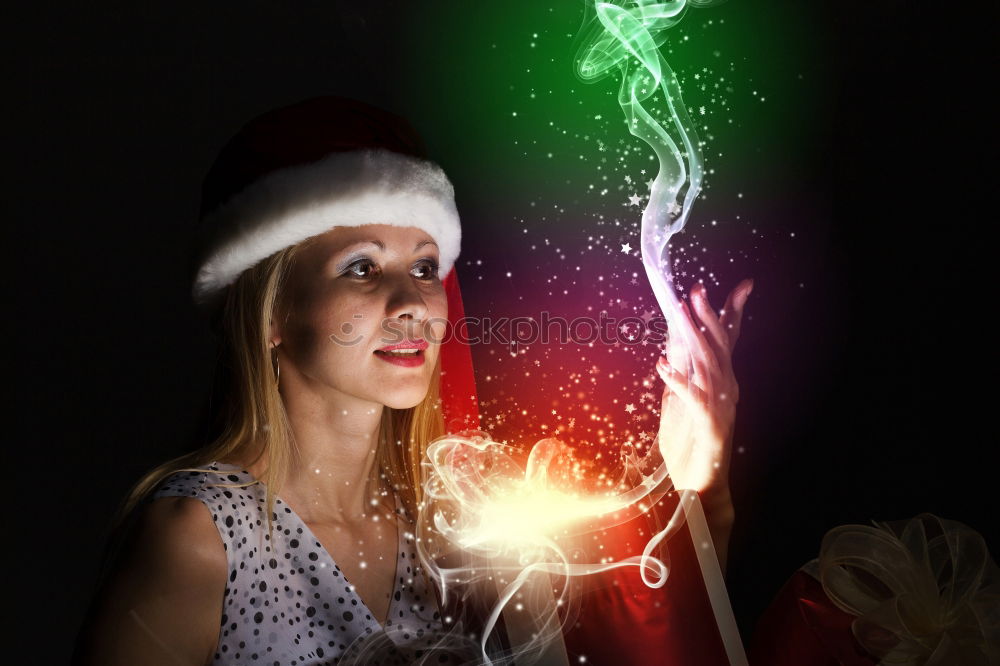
<point x="287" y="602"/>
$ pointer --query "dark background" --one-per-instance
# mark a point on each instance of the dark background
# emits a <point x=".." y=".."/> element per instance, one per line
<point x="871" y="397"/>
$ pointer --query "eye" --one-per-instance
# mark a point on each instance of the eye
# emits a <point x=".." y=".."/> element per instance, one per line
<point x="366" y="268"/>
<point x="361" y="263"/>
<point x="430" y="268"/>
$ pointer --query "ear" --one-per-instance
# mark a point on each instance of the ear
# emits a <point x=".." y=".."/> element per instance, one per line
<point x="279" y="317"/>
<point x="274" y="332"/>
<point x="273" y="336"/>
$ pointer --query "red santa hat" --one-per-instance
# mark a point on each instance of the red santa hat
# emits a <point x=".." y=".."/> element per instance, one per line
<point x="301" y="170"/>
<point x="326" y="162"/>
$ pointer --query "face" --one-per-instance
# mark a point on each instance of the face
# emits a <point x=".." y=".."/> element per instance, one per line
<point x="351" y="292"/>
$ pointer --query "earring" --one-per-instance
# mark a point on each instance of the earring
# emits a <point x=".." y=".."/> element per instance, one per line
<point x="274" y="362"/>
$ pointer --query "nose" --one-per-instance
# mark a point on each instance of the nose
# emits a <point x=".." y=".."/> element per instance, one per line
<point x="406" y="304"/>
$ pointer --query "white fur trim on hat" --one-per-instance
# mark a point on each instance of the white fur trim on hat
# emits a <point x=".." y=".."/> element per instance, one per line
<point x="348" y="189"/>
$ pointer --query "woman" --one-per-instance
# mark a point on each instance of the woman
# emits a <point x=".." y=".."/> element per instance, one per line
<point x="327" y="238"/>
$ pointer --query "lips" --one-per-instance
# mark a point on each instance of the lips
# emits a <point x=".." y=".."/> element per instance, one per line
<point x="419" y="345"/>
<point x="406" y="360"/>
<point x="408" y="354"/>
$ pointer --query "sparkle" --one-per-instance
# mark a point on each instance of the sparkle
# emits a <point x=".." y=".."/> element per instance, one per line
<point x="510" y="515"/>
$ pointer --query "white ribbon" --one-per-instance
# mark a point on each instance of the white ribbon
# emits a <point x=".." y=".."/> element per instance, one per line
<point x="925" y="591"/>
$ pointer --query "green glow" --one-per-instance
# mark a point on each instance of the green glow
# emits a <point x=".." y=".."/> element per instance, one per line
<point x="629" y="40"/>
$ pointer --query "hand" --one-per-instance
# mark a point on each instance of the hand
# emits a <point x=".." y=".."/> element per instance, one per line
<point x="698" y="412"/>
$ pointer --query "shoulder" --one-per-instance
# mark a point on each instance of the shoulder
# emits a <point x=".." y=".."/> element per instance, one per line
<point x="164" y="597"/>
<point x="176" y="545"/>
<point x="189" y="482"/>
<point x="180" y="533"/>
<point x="215" y="485"/>
<point x="176" y="532"/>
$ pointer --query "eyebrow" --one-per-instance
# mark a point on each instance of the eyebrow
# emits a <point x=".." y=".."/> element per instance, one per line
<point x="381" y="245"/>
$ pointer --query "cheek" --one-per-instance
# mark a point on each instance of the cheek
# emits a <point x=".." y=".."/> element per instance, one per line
<point x="435" y="329"/>
<point x="337" y="327"/>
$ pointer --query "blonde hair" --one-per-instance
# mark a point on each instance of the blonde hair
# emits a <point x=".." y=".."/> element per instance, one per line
<point x="254" y="421"/>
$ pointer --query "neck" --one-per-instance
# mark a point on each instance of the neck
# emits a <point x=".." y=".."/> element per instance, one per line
<point x="333" y="455"/>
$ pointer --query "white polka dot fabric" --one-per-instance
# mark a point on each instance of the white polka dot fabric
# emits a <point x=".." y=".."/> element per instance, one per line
<point x="288" y="603"/>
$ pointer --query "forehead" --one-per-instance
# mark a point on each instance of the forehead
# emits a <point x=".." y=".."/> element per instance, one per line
<point x="395" y="238"/>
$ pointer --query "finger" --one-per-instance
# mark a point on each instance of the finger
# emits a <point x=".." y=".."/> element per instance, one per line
<point x="702" y="346"/>
<point x="676" y="353"/>
<point x="707" y="317"/>
<point x="681" y="359"/>
<point x="732" y="314"/>
<point x="687" y="366"/>
<point x="716" y="336"/>
<point x="691" y="338"/>
<point x="688" y="392"/>
<point x="663" y="363"/>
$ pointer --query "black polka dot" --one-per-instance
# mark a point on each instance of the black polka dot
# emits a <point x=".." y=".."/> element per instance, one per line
<point x="294" y="599"/>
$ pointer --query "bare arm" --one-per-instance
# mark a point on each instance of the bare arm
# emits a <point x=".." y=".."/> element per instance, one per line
<point x="698" y="411"/>
<point x="720" y="515"/>
<point x="163" y="602"/>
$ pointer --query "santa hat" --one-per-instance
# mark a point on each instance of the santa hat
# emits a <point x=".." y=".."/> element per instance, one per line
<point x="326" y="162"/>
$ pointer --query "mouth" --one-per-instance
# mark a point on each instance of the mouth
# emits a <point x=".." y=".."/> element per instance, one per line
<point x="406" y="354"/>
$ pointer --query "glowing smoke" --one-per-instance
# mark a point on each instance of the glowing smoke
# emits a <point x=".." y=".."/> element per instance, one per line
<point x="628" y="40"/>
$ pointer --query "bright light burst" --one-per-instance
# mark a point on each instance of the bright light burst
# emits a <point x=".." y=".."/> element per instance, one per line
<point x="514" y="520"/>
<point x="498" y="507"/>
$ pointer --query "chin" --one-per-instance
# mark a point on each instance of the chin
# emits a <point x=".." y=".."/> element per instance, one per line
<point x="404" y="402"/>
<point x="405" y="397"/>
